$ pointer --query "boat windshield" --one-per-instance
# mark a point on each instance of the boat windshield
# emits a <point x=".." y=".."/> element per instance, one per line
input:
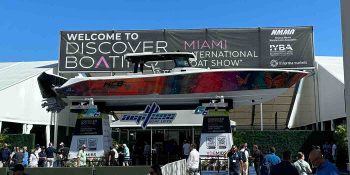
<point x="182" y="62"/>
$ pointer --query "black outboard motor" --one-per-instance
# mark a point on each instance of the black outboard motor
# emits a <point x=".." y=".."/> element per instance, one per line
<point x="46" y="84"/>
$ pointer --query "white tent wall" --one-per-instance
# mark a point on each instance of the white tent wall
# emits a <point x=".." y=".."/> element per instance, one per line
<point x="324" y="92"/>
<point x="304" y="109"/>
<point x="21" y="103"/>
<point x="331" y="96"/>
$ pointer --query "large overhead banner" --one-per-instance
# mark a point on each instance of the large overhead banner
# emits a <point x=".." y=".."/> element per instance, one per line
<point x="89" y="51"/>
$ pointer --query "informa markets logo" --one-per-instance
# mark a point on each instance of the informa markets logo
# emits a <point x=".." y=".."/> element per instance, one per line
<point x="150" y="115"/>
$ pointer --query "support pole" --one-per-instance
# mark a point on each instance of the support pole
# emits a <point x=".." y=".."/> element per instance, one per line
<point x="128" y="135"/>
<point x="275" y="120"/>
<point x="55" y="132"/>
<point x="24" y="129"/>
<point x="151" y="146"/>
<point x="192" y="134"/>
<point x="261" y="118"/>
<point x="47" y="134"/>
<point x="0" y="126"/>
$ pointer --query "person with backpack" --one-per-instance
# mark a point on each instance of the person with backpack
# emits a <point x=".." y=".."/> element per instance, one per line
<point x="270" y="160"/>
<point x="302" y="166"/>
<point x="235" y="159"/>
<point x="245" y="155"/>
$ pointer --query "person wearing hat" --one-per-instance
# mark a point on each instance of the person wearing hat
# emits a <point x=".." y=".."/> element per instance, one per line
<point x="18" y="169"/>
<point x="82" y="156"/>
<point x="62" y="155"/>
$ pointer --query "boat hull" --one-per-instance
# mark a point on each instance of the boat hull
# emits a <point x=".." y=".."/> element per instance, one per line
<point x="243" y="87"/>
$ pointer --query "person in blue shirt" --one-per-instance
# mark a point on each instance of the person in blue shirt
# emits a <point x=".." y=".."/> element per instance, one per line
<point x="272" y="157"/>
<point x="25" y="157"/>
<point x="323" y="166"/>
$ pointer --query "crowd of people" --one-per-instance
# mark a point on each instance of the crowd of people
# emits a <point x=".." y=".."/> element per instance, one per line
<point x="118" y="155"/>
<point x="40" y="156"/>
<point x="239" y="159"/>
<point x="271" y="164"/>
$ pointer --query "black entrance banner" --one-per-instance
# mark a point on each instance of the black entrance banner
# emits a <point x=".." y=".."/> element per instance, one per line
<point x="88" y="126"/>
<point x="91" y="51"/>
<point x="217" y="124"/>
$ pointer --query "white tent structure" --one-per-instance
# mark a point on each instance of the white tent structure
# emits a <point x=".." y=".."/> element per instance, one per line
<point x="320" y="97"/>
<point x="20" y="97"/>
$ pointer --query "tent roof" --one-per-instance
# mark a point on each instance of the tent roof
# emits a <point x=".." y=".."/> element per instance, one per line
<point x="12" y="73"/>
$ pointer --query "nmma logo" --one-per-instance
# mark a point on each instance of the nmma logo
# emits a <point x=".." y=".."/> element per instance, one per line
<point x="283" y="32"/>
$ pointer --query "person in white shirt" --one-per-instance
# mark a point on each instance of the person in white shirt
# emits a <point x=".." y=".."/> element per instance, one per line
<point x="193" y="161"/>
<point x="334" y="151"/>
<point x="186" y="147"/>
<point x="245" y="164"/>
<point x="302" y="166"/>
<point x="33" y="159"/>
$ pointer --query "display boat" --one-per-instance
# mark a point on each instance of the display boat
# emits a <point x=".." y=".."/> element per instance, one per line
<point x="181" y="85"/>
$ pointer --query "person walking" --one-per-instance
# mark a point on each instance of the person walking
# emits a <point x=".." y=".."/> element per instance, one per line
<point x="322" y="165"/>
<point x="269" y="160"/>
<point x="285" y="167"/>
<point x="272" y="157"/>
<point x="82" y="156"/>
<point x="302" y="166"/>
<point x="193" y="161"/>
<point x="245" y="164"/>
<point x="235" y="161"/>
<point x="257" y="158"/>
<point x="126" y="153"/>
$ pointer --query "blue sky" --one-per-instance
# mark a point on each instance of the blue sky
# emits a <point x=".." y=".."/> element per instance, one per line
<point x="29" y="30"/>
